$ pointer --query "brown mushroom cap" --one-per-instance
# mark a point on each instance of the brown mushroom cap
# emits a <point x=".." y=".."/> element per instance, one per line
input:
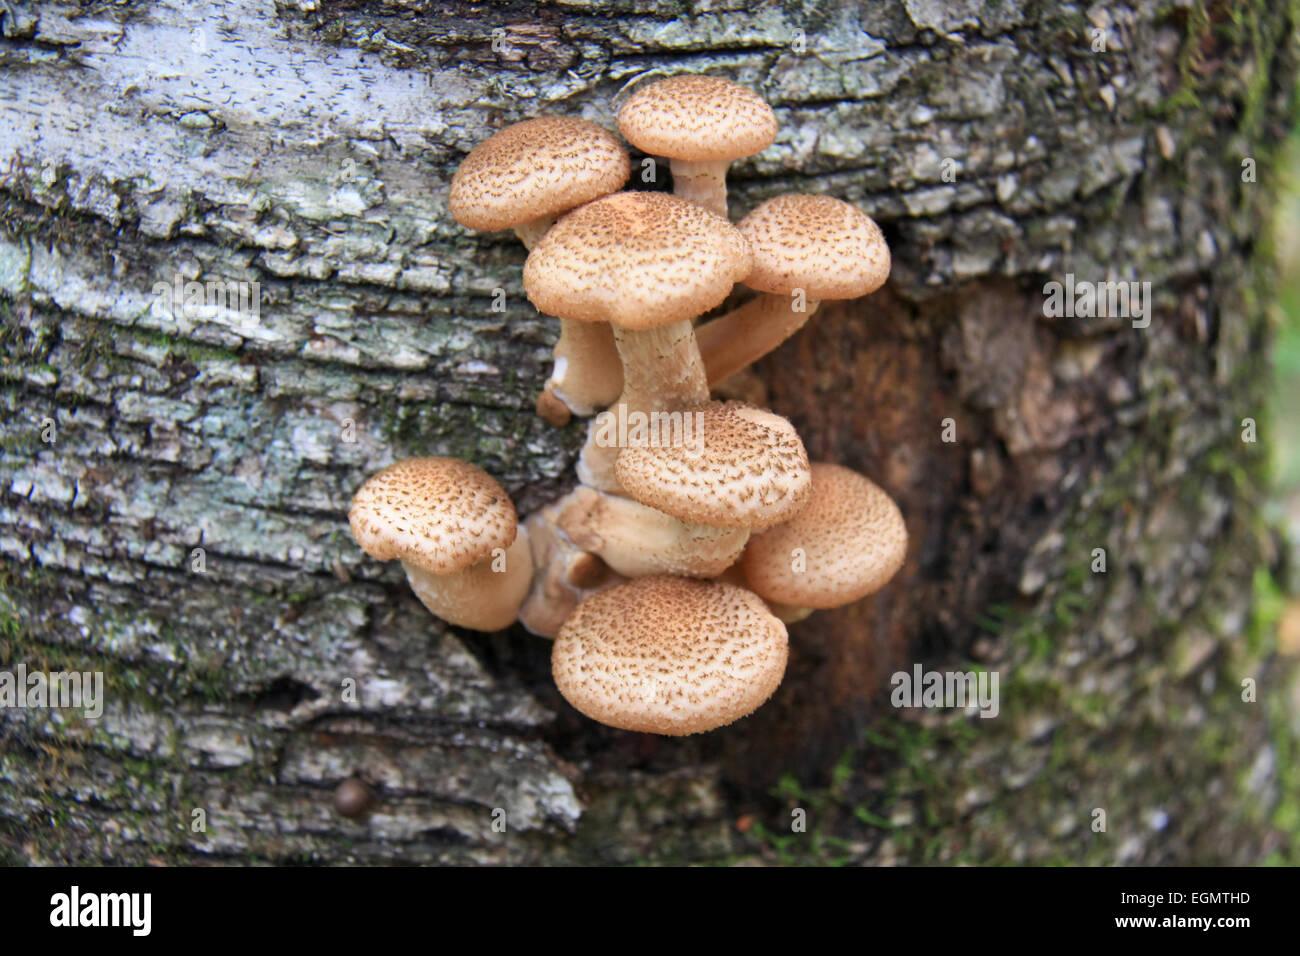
<point x="539" y="167"/>
<point x="852" y="537"/>
<point x="636" y="260"/>
<point x="667" y="655"/>
<point x="744" y="468"/>
<point x="440" y="514"/>
<point x="828" y="248"/>
<point x="697" y="118"/>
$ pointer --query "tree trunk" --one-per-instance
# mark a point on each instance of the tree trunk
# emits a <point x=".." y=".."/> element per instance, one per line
<point x="307" y="146"/>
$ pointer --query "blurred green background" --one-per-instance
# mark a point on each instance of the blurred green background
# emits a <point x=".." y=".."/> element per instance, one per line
<point x="1284" y="506"/>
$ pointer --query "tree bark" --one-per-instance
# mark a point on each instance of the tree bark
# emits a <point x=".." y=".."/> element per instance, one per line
<point x="308" y="146"/>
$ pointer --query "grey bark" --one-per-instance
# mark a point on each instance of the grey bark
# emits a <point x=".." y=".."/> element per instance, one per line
<point x="308" y="146"/>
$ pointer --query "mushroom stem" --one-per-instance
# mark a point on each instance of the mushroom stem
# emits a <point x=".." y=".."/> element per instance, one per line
<point x="788" y="613"/>
<point x="595" y="466"/>
<point x="703" y="182"/>
<point x="485" y="596"/>
<point x="586" y="374"/>
<point x="531" y="231"/>
<point x="662" y="371"/>
<point x="743" y="386"/>
<point x="636" y="540"/>
<point x="551" y="410"/>
<point x="564" y="574"/>
<point x="662" y="367"/>
<point x="743" y="336"/>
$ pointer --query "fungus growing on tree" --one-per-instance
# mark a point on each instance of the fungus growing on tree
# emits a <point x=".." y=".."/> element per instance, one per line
<point x="702" y="124"/>
<point x="748" y="470"/>
<point x="646" y="263"/>
<point x="669" y="655"/>
<point x="523" y="178"/>
<point x="807" y="249"/>
<point x="456" y="533"/>
<point x="667" y="574"/>
<point x="564" y="574"/>
<point x="636" y="540"/>
<point x="846" y="543"/>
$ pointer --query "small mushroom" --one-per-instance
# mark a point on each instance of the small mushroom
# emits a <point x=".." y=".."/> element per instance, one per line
<point x="523" y="178"/>
<point x="637" y="541"/>
<point x="647" y="263"/>
<point x="587" y="374"/>
<point x="564" y="574"/>
<point x="456" y="533"/>
<point x="845" y="544"/>
<point x="485" y="596"/>
<point x="702" y="124"/>
<point x="747" y="469"/>
<point x="666" y="655"/>
<point x="807" y="249"/>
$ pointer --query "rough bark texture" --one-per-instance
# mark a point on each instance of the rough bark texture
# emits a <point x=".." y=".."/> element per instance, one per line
<point x="308" y="146"/>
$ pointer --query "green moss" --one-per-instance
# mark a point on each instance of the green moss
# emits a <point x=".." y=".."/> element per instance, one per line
<point x="27" y="637"/>
<point x="22" y="443"/>
<point x="1187" y="96"/>
<point x="1261" y="632"/>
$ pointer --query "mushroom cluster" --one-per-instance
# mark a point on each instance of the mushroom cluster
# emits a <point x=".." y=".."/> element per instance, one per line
<point x="698" y="528"/>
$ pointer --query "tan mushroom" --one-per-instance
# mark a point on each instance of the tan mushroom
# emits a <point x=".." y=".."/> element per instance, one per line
<point x="845" y="544"/>
<point x="807" y="249"/>
<point x="702" y="124"/>
<point x="647" y="263"/>
<point x="637" y="541"/>
<point x="667" y="655"/>
<point x="587" y="374"/>
<point x="748" y="469"/>
<point x="564" y="574"/>
<point x="456" y="533"/>
<point x="523" y="178"/>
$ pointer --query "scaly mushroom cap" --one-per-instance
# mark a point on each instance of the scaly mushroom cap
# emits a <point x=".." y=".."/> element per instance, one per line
<point x="743" y="467"/>
<point x="636" y="260"/>
<point x="667" y="655"/>
<point x="440" y="514"/>
<point x="826" y="247"/>
<point x="697" y="118"/>
<point x="852" y="540"/>
<point x="539" y="167"/>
